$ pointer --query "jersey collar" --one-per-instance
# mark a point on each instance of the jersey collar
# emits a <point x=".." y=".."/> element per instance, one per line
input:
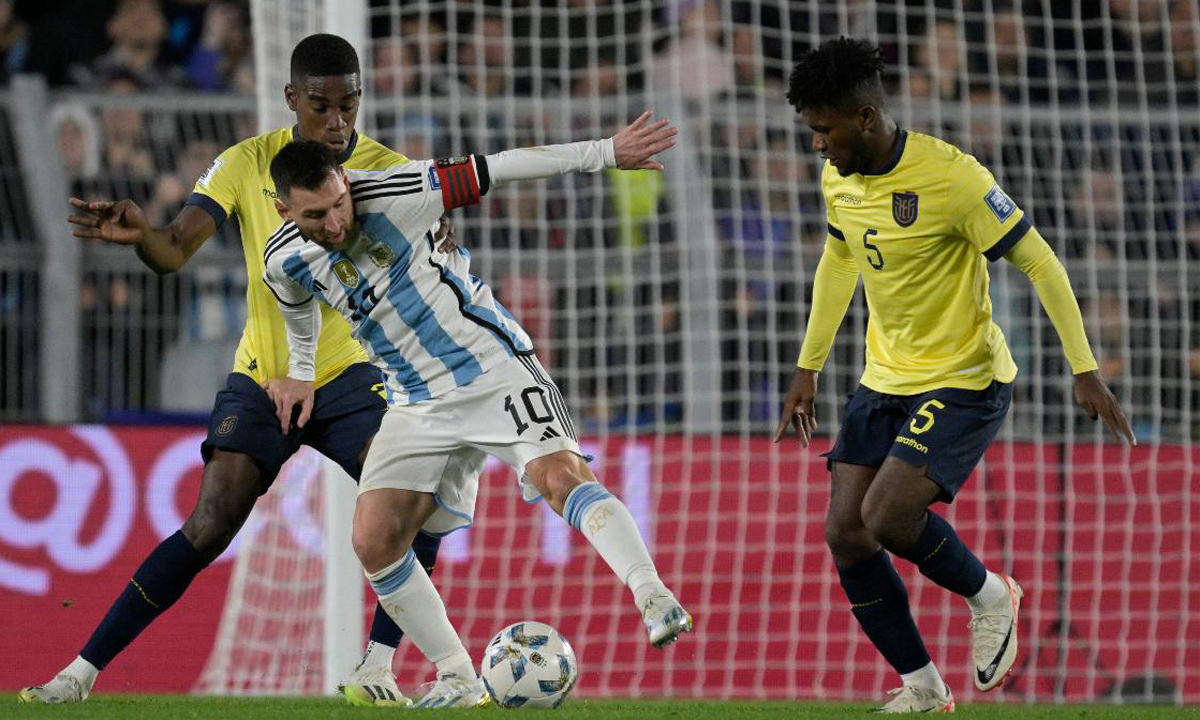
<point x="344" y="155"/>
<point x="895" y="159"/>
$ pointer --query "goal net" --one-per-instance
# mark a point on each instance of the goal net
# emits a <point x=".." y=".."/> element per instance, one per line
<point x="670" y="308"/>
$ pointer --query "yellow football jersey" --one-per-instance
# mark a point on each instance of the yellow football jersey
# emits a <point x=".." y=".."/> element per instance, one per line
<point x="921" y="232"/>
<point x="239" y="183"/>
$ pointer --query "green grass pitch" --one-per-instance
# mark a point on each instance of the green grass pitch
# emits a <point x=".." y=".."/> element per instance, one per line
<point x="182" y="707"/>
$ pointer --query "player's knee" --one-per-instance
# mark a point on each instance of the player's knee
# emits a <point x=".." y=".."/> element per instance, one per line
<point x="557" y="475"/>
<point x="210" y="531"/>
<point x="380" y="542"/>
<point x="888" y="525"/>
<point x="847" y="541"/>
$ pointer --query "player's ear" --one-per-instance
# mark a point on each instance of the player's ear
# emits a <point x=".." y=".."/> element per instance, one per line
<point x="282" y="210"/>
<point x="868" y="118"/>
<point x="289" y="96"/>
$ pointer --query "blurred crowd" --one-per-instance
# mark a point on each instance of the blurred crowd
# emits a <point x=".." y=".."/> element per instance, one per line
<point x="1008" y="80"/>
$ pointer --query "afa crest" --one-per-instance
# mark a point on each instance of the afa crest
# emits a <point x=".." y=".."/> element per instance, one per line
<point x="347" y="273"/>
<point x="904" y="208"/>
<point x="382" y="256"/>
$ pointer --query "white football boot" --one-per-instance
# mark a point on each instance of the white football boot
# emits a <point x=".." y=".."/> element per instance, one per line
<point x="918" y="699"/>
<point x="454" y="691"/>
<point x="994" y="638"/>
<point x="64" y="688"/>
<point x="373" y="686"/>
<point x="665" y="619"/>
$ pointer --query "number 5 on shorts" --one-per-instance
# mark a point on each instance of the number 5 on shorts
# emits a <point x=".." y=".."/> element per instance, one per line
<point x="926" y="413"/>
<point x="542" y="415"/>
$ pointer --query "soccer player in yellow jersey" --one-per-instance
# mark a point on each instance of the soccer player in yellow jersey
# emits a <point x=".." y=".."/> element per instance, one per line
<point x="918" y="220"/>
<point x="247" y="441"/>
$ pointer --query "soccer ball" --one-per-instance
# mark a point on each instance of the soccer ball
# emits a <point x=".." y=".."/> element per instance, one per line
<point x="529" y="664"/>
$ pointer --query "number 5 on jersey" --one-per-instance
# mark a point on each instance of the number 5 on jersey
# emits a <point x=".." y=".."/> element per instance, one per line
<point x="877" y="261"/>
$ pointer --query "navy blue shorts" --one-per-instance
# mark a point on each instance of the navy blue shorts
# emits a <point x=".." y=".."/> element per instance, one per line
<point x="946" y="430"/>
<point x="346" y="414"/>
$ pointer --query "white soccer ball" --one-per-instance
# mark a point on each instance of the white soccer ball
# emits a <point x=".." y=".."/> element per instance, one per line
<point x="529" y="664"/>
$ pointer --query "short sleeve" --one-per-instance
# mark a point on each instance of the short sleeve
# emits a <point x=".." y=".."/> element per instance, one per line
<point x="980" y="211"/>
<point x="216" y="191"/>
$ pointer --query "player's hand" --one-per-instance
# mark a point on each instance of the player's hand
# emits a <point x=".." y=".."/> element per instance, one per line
<point x="798" y="407"/>
<point x="443" y="239"/>
<point x="1097" y="400"/>
<point x="636" y="144"/>
<point x="120" y="221"/>
<point x="286" y="393"/>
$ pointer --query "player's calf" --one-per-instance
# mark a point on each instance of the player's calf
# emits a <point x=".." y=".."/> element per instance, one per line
<point x="610" y="528"/>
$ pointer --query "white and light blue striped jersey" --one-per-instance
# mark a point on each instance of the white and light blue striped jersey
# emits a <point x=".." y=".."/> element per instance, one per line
<point x="421" y="315"/>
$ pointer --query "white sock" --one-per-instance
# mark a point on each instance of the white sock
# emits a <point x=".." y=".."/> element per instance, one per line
<point x="926" y="677"/>
<point x="409" y="597"/>
<point x="84" y="672"/>
<point x="993" y="592"/>
<point x="609" y="527"/>
<point x="378" y="655"/>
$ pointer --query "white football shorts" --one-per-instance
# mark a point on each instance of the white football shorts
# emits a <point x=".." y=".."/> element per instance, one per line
<point x="513" y="411"/>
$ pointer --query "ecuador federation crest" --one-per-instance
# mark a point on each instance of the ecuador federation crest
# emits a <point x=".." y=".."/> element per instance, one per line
<point x="347" y="273"/>
<point x="904" y="208"/>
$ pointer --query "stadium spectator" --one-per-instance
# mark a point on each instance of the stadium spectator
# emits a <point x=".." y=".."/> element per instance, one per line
<point x="126" y="154"/>
<point x="78" y="137"/>
<point x="750" y="79"/>
<point x="485" y="56"/>
<point x="939" y="54"/>
<point x="137" y="30"/>
<point x="696" y="63"/>
<point x="1183" y="23"/>
<point x="399" y="82"/>
<point x="14" y="41"/>
<point x="1009" y="54"/>
<point x="223" y="58"/>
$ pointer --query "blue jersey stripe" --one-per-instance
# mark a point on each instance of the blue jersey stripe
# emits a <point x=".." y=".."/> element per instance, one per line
<point x="369" y="331"/>
<point x="412" y="308"/>
<point x="297" y="269"/>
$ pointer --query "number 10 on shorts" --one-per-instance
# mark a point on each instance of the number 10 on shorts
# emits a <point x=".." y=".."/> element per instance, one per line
<point x="537" y="411"/>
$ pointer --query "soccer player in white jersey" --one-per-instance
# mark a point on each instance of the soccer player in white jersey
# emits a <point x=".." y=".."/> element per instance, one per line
<point x="461" y="375"/>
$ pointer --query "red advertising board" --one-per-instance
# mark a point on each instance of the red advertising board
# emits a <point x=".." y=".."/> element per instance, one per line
<point x="1102" y="539"/>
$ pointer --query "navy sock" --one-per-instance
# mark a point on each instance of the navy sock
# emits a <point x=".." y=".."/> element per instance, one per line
<point x="943" y="558"/>
<point x="383" y="629"/>
<point x="880" y="603"/>
<point x="160" y="580"/>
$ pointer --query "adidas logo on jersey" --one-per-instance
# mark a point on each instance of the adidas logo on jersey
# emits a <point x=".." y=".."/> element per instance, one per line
<point x="548" y="433"/>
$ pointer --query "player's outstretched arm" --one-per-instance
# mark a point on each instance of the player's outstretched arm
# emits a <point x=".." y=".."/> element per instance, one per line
<point x="1037" y="260"/>
<point x="798" y="406"/>
<point x="633" y="148"/>
<point x="121" y="222"/>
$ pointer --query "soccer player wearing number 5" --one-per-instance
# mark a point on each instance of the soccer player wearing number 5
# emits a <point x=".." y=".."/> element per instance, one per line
<point x="462" y="378"/>
<point x="919" y="220"/>
<point x="247" y="442"/>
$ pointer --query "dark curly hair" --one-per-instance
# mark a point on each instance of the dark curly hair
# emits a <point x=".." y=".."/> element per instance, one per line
<point x="837" y="74"/>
